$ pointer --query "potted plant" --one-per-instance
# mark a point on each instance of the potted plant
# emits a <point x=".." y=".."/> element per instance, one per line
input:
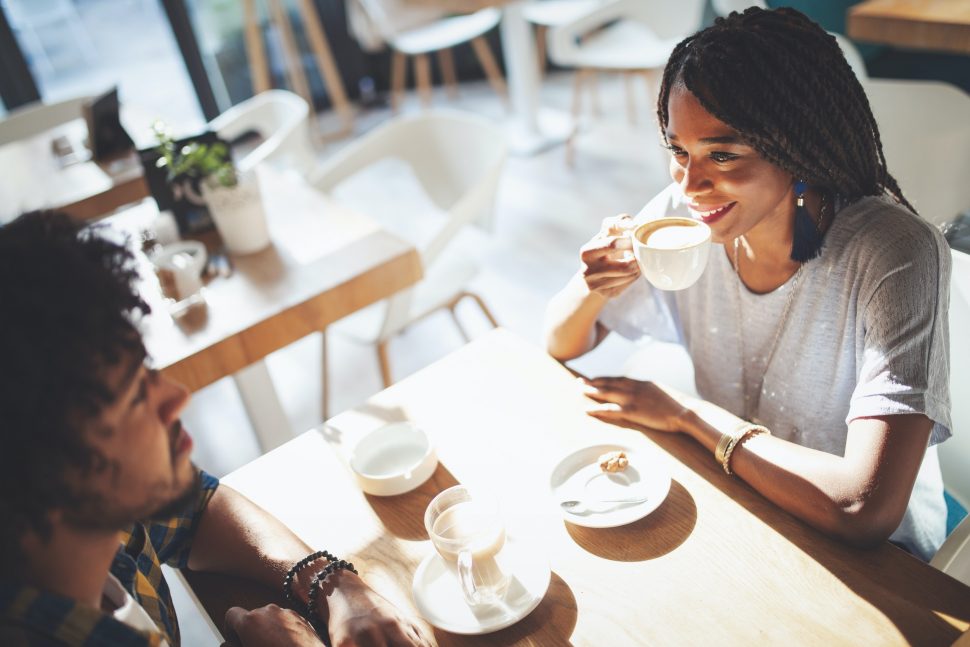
<point x="233" y="199"/>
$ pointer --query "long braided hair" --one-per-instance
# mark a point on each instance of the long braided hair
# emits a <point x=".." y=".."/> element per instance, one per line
<point x="783" y="84"/>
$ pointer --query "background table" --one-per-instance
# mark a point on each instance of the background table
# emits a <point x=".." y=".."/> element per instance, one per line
<point x="716" y="563"/>
<point x="325" y="263"/>
<point x="35" y="178"/>
<point x="938" y="25"/>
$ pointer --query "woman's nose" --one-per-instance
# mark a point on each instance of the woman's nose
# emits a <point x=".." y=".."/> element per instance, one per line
<point x="693" y="180"/>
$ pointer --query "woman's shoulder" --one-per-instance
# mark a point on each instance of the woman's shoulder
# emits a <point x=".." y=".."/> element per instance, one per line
<point x="877" y="232"/>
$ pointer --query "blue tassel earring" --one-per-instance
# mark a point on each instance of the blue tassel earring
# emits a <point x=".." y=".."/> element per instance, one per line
<point x="807" y="241"/>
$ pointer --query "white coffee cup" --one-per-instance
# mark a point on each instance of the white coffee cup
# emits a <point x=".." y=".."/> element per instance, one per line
<point x="179" y="267"/>
<point x="466" y="529"/>
<point x="672" y="252"/>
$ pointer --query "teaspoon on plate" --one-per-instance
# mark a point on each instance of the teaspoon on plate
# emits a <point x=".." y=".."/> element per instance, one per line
<point x="576" y="506"/>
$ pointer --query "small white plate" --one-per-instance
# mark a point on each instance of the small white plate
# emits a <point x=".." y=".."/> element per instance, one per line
<point x="578" y="476"/>
<point x="437" y="593"/>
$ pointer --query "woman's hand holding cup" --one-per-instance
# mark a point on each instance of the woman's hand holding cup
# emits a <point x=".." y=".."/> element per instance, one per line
<point x="609" y="265"/>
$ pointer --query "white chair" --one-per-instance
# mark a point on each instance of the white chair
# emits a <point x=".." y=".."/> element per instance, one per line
<point x="724" y="7"/>
<point x="953" y="558"/>
<point x="419" y="31"/>
<point x="36" y="118"/>
<point x="281" y="119"/>
<point x="545" y="14"/>
<point x="633" y="37"/>
<point x="925" y="132"/>
<point x="955" y="452"/>
<point x="457" y="159"/>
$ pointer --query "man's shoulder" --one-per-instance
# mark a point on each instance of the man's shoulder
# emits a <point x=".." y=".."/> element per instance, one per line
<point x="33" y="618"/>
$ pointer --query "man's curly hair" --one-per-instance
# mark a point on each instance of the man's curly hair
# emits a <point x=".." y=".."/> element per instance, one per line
<point x="67" y="306"/>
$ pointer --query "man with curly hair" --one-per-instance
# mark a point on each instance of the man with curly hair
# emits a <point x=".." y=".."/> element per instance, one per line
<point x="97" y="489"/>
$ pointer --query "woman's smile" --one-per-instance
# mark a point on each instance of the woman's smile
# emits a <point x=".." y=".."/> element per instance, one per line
<point x="709" y="214"/>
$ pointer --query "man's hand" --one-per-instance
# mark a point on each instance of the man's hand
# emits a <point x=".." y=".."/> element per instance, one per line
<point x="269" y="626"/>
<point x="360" y="617"/>
<point x="609" y="265"/>
<point x="623" y="401"/>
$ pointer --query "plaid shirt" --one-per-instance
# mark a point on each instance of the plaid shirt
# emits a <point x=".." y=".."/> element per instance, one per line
<point x="35" y="618"/>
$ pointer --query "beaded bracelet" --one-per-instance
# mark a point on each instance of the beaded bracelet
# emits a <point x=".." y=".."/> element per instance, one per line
<point x="317" y="582"/>
<point x="296" y="568"/>
<point x="746" y="433"/>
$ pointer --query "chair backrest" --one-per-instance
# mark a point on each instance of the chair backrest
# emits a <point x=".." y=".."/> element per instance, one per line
<point x="456" y="157"/>
<point x="724" y="7"/>
<point x="925" y="133"/>
<point x="388" y="18"/>
<point x="953" y="558"/>
<point x="955" y="452"/>
<point x="281" y="118"/>
<point x="35" y="118"/>
<point x="668" y="24"/>
<point x="666" y="21"/>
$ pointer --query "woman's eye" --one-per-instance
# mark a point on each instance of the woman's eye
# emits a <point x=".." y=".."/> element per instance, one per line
<point x="723" y="157"/>
<point x="676" y="152"/>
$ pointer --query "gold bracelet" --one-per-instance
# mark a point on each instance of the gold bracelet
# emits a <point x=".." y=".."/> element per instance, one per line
<point x="747" y="432"/>
<point x="726" y="440"/>
<point x="721" y="446"/>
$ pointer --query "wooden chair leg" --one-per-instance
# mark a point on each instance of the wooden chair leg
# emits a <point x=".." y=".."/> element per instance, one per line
<point x="652" y="81"/>
<point x="454" y="317"/>
<point x="570" y="145"/>
<point x="422" y="76"/>
<point x="541" y="33"/>
<point x="481" y="305"/>
<point x="631" y="108"/>
<point x="594" y="94"/>
<point x="399" y="73"/>
<point x="492" y="71"/>
<point x="578" y="80"/>
<point x="384" y="364"/>
<point x="446" y="61"/>
<point x="325" y="384"/>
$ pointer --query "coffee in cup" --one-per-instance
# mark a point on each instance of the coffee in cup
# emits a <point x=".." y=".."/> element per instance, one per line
<point x="467" y="531"/>
<point x="672" y="252"/>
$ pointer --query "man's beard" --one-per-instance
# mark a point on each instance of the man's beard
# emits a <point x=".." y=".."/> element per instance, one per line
<point x="94" y="512"/>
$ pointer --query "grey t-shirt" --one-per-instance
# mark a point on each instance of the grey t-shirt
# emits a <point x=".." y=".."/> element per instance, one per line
<point x="866" y="335"/>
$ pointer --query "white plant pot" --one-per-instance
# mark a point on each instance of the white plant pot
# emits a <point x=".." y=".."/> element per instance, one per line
<point x="239" y="215"/>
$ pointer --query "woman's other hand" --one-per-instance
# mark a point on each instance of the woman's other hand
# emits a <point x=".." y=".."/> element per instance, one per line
<point x="622" y="401"/>
<point x="609" y="265"/>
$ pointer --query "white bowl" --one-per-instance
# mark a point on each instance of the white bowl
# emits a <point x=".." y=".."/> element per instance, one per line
<point x="393" y="459"/>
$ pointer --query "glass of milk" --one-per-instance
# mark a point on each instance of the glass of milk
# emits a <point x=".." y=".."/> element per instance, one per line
<point x="466" y="529"/>
<point x="672" y="252"/>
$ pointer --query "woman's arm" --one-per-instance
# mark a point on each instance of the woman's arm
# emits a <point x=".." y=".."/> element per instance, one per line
<point x="608" y="267"/>
<point x="859" y="497"/>
<point x="571" y="326"/>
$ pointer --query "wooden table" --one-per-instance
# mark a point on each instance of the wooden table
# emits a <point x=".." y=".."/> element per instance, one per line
<point x="937" y="25"/>
<point x="325" y="263"/>
<point x="35" y="178"/>
<point x="716" y="563"/>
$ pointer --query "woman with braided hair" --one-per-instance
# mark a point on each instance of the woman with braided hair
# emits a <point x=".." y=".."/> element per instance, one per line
<point x="818" y="331"/>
